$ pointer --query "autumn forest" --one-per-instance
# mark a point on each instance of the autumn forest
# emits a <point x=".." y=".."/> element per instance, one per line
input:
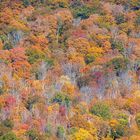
<point x="69" y="69"/>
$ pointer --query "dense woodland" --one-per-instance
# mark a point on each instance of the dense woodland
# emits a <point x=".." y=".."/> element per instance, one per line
<point x="69" y="69"/>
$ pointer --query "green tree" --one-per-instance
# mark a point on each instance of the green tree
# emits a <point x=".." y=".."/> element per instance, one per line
<point x="9" y="136"/>
<point x="34" y="135"/>
<point x="60" y="132"/>
<point x="101" y="110"/>
<point x="26" y="2"/>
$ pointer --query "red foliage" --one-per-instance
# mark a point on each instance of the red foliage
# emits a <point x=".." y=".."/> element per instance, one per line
<point x="62" y="110"/>
<point x="10" y="101"/>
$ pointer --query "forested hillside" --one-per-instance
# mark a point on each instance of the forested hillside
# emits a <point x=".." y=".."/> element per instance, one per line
<point x="69" y="69"/>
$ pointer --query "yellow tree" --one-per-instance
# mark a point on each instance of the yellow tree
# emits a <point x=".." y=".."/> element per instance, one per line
<point x="81" y="45"/>
<point x="82" y="134"/>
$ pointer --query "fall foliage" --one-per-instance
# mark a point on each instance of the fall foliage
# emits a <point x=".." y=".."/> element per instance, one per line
<point x="69" y="70"/>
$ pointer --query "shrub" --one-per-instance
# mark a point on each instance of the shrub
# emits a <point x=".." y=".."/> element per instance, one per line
<point x="89" y="59"/>
<point x="1" y="90"/>
<point x="60" y="132"/>
<point x="82" y="134"/>
<point x="34" y="55"/>
<point x="7" y="46"/>
<point x="4" y="130"/>
<point x="31" y="101"/>
<point x="121" y="128"/>
<point x="101" y="110"/>
<point x="8" y="123"/>
<point x="118" y="64"/>
<point x="34" y="135"/>
<point x="117" y="45"/>
<point x="26" y="2"/>
<point x="120" y="19"/>
<point x="123" y="119"/>
<point x="60" y="98"/>
<point x="9" y="136"/>
<point x="83" y="10"/>
<point x="54" y="4"/>
<point x="48" y="130"/>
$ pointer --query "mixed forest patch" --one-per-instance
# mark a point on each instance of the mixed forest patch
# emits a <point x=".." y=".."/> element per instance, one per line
<point x="69" y="69"/>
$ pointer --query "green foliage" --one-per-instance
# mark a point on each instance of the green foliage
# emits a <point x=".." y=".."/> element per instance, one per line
<point x="102" y="110"/>
<point x="1" y="90"/>
<point x="9" y="136"/>
<point x="118" y="132"/>
<point x="54" y="89"/>
<point x="134" y="3"/>
<point x="26" y="2"/>
<point x="82" y="10"/>
<point x="122" y="119"/>
<point x="61" y="99"/>
<point x="7" y="46"/>
<point x="73" y="130"/>
<point x="119" y="64"/>
<point x="105" y="21"/>
<point x="4" y="130"/>
<point x="120" y="19"/>
<point x="34" y="135"/>
<point x="31" y="101"/>
<point x="8" y="123"/>
<point x="57" y="4"/>
<point x="3" y="37"/>
<point x="48" y="130"/>
<point x="60" y="132"/>
<point x="89" y="59"/>
<point x="117" y="45"/>
<point x="122" y="127"/>
<point x="34" y="55"/>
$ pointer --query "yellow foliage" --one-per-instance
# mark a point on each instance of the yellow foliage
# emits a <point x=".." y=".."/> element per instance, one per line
<point x="81" y="45"/>
<point x="79" y="121"/>
<point x="68" y="88"/>
<point x="103" y="37"/>
<point x="113" y="123"/>
<point x="16" y="77"/>
<point x="40" y="40"/>
<point x="54" y="107"/>
<point x="137" y="93"/>
<point x="106" y="20"/>
<point x="67" y="85"/>
<point x="82" y="134"/>
<point x="76" y="58"/>
<point x="96" y="51"/>
<point x="19" y="132"/>
<point x="52" y="23"/>
<point x="65" y="16"/>
<point x="18" y="25"/>
<point x="37" y="85"/>
<point x="9" y="17"/>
